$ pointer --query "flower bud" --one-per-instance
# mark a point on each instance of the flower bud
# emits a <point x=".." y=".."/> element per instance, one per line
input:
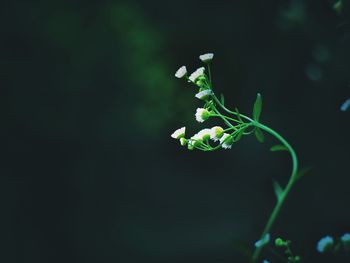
<point x="183" y="141"/>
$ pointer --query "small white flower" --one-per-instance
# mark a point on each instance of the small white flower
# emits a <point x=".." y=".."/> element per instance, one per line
<point x="195" y="75"/>
<point x="226" y="141"/>
<point x="265" y="261"/>
<point x="194" y="140"/>
<point x="202" y="114"/>
<point x="345" y="105"/>
<point x="263" y="241"/>
<point x="202" y="95"/>
<point x="345" y="237"/>
<point x="204" y="134"/>
<point x="216" y="133"/>
<point x="179" y="133"/>
<point x="206" y="57"/>
<point x="324" y="244"/>
<point x="181" y="72"/>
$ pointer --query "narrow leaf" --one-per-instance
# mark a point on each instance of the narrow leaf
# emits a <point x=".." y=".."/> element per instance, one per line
<point x="278" y="190"/>
<point x="259" y="135"/>
<point x="257" y="107"/>
<point x="278" y="147"/>
<point x="302" y="172"/>
<point x="222" y="99"/>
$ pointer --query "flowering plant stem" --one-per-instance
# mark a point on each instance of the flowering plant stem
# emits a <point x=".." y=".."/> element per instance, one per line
<point x="284" y="193"/>
<point x="282" y="196"/>
<point x="238" y="125"/>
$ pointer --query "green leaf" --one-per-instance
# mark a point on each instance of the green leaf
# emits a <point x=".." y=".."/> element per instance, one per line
<point x="257" y="107"/>
<point x="278" y="190"/>
<point x="259" y="135"/>
<point x="222" y="99"/>
<point x="278" y="147"/>
<point x="301" y="172"/>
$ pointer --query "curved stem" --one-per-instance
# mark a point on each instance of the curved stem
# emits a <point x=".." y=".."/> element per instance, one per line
<point x="285" y="192"/>
<point x="229" y="111"/>
<point x="224" y="119"/>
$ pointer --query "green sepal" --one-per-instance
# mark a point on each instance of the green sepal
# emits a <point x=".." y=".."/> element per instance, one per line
<point x="278" y="190"/>
<point x="259" y="135"/>
<point x="278" y="147"/>
<point x="257" y="107"/>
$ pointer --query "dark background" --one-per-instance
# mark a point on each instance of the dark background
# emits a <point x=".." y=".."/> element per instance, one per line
<point x="89" y="172"/>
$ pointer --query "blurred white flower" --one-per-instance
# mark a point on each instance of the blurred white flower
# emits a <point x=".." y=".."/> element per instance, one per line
<point x="265" y="261"/>
<point x="194" y="140"/>
<point x="195" y="75"/>
<point x="202" y="114"/>
<point x="216" y="133"/>
<point x="181" y="72"/>
<point x="345" y="105"/>
<point x="202" y="95"/>
<point x="263" y="241"/>
<point x="179" y="133"/>
<point x="324" y="244"/>
<point x="206" y="57"/>
<point x="345" y="237"/>
<point x="204" y="134"/>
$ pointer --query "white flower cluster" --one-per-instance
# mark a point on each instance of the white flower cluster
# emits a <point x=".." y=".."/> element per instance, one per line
<point x="198" y="77"/>
<point x="327" y="243"/>
<point x="215" y="133"/>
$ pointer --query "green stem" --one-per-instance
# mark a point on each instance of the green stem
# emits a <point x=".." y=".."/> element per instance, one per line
<point x="229" y="111"/>
<point x="285" y="192"/>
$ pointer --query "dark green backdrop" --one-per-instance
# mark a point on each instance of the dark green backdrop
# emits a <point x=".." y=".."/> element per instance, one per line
<point x="89" y="172"/>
